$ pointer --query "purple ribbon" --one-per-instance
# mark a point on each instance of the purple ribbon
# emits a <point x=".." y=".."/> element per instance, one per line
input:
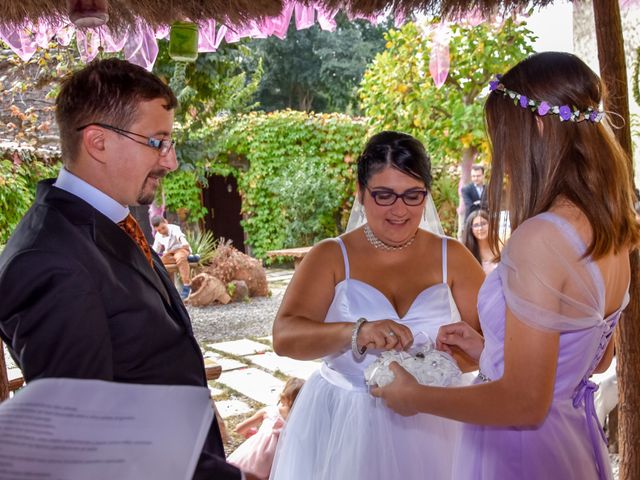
<point x="584" y="393"/>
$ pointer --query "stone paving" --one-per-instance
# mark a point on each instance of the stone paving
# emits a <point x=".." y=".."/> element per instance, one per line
<point x="250" y="370"/>
<point x="250" y="367"/>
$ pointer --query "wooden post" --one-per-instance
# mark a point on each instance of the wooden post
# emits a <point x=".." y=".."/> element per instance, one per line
<point x="4" y="379"/>
<point x="627" y="337"/>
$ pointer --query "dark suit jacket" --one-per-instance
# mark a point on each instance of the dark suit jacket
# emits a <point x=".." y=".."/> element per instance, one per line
<point x="80" y="300"/>
<point x="470" y="197"/>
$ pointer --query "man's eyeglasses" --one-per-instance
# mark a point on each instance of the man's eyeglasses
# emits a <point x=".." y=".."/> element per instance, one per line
<point x="162" y="145"/>
<point x="385" y="198"/>
<point x="478" y="226"/>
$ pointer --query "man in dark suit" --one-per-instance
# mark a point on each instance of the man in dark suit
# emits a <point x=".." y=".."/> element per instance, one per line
<point x="83" y="295"/>
<point x="474" y="195"/>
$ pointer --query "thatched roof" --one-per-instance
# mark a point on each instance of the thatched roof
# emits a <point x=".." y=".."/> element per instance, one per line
<point x="125" y="13"/>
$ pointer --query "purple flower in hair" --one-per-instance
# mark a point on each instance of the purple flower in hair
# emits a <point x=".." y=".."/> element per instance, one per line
<point x="543" y="108"/>
<point x="524" y="101"/>
<point x="565" y="112"/>
<point x="595" y="116"/>
<point x="493" y="85"/>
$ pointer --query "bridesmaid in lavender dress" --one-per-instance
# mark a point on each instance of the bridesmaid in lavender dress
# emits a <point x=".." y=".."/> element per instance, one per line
<point x="549" y="309"/>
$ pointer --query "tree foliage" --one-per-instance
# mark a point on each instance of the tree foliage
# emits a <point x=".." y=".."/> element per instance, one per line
<point x="317" y="70"/>
<point x="19" y="174"/>
<point x="397" y="91"/>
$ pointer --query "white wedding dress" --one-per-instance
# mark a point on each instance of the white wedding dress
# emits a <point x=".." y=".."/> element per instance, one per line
<point x="337" y="430"/>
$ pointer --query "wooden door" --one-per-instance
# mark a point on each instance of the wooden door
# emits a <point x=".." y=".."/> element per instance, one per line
<point x="223" y="204"/>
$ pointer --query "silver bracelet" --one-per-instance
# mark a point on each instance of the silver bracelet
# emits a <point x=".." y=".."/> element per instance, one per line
<point x="354" y="339"/>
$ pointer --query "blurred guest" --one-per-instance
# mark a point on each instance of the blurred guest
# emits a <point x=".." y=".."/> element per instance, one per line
<point x="476" y="238"/>
<point x="172" y="246"/>
<point x="474" y="195"/>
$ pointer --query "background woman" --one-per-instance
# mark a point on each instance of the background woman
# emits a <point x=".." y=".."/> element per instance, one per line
<point x="372" y="289"/>
<point x="549" y="310"/>
<point x="475" y="237"/>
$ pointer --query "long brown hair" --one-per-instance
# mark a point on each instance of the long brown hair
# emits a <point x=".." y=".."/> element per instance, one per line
<point x="541" y="159"/>
<point x="468" y="238"/>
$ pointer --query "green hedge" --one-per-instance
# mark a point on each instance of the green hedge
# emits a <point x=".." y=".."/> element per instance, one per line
<point x="298" y="187"/>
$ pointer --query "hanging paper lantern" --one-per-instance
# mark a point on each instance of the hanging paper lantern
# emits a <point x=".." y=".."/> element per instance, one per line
<point x="183" y="42"/>
<point x="88" y="13"/>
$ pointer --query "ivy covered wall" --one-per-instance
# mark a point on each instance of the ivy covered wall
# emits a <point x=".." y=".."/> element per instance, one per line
<point x="299" y="177"/>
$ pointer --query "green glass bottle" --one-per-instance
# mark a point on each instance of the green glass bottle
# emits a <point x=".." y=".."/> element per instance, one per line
<point x="183" y="42"/>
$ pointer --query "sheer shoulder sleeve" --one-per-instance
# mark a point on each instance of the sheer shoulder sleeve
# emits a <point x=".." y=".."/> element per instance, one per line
<point x="545" y="281"/>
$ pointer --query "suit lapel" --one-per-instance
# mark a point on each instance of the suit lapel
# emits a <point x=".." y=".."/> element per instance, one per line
<point x="112" y="239"/>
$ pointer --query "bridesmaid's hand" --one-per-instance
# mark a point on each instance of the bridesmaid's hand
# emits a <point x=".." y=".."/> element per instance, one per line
<point x="397" y="394"/>
<point x="460" y="335"/>
<point x="384" y="335"/>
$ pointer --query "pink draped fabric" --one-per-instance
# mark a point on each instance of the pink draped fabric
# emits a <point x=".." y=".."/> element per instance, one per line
<point x="326" y="19"/>
<point x="21" y="41"/>
<point x="207" y="36"/>
<point x="439" y="61"/>
<point x="304" y="16"/>
<point x="139" y="43"/>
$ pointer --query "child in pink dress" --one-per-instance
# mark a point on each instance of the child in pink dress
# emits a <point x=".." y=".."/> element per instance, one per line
<point x="256" y="454"/>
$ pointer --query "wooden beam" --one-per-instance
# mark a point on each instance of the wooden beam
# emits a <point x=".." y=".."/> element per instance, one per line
<point x="4" y="380"/>
<point x="627" y="337"/>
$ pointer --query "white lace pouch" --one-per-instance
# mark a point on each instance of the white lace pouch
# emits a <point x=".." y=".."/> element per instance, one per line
<point x="428" y="365"/>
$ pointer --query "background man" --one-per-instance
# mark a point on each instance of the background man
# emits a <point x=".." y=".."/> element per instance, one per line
<point x="171" y="243"/>
<point x="83" y="294"/>
<point x="474" y="195"/>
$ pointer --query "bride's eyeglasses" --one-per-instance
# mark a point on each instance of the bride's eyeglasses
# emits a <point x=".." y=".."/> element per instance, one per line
<point x="385" y="197"/>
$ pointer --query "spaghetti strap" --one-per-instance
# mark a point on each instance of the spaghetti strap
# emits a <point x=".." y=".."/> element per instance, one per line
<point x="444" y="259"/>
<point x="344" y="257"/>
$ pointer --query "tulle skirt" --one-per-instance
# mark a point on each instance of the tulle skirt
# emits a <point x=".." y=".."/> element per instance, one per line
<point x="559" y="449"/>
<point x="339" y="432"/>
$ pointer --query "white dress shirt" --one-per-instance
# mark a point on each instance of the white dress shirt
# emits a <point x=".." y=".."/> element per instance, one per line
<point x="168" y="243"/>
<point x="99" y="200"/>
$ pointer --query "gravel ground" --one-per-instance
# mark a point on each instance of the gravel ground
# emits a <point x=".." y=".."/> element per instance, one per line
<point x="220" y="323"/>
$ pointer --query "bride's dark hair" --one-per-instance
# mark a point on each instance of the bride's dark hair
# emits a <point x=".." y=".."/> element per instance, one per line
<point x="394" y="149"/>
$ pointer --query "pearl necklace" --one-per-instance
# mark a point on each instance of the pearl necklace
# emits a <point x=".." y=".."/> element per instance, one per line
<point x="377" y="243"/>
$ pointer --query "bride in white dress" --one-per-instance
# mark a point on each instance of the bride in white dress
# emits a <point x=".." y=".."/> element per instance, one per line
<point x="378" y="287"/>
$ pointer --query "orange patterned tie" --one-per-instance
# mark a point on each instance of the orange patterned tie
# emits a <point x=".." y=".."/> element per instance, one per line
<point x="132" y="228"/>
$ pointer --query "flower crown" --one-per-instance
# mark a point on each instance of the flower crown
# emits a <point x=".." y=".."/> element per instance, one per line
<point x="565" y="112"/>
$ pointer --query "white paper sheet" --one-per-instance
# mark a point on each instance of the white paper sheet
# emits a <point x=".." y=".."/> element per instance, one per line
<point x="69" y="429"/>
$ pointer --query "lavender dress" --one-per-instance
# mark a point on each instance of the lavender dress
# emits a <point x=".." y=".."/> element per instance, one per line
<point x="546" y="285"/>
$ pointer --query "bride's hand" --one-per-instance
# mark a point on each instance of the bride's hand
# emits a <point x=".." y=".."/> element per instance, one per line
<point x="460" y="335"/>
<point x="397" y="394"/>
<point x="384" y="335"/>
